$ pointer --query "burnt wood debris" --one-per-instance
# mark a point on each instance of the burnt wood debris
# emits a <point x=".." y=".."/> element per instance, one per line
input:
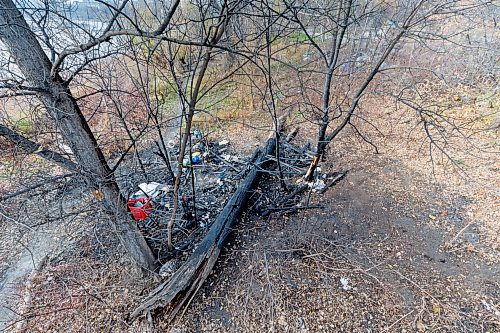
<point x="223" y="179"/>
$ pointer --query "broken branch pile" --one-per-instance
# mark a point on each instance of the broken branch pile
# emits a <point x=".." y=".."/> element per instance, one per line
<point x="187" y="280"/>
<point x="216" y="178"/>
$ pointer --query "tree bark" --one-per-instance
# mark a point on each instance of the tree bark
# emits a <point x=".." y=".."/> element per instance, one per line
<point x="36" y="67"/>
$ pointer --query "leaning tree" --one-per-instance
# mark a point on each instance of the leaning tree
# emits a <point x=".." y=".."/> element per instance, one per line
<point x="40" y="63"/>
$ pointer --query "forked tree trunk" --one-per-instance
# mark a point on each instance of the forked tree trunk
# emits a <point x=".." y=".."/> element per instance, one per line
<point x="35" y="66"/>
<point x="323" y="138"/>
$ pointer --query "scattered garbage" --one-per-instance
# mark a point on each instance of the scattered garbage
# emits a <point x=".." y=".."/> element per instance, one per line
<point x="140" y="203"/>
<point x="199" y="150"/>
<point x="197" y="134"/>
<point x="153" y="189"/>
<point x="301" y="323"/>
<point x="151" y="203"/>
<point x="308" y="56"/>
<point x="230" y="158"/>
<point x="198" y="147"/>
<point x="218" y="174"/>
<point x="140" y="207"/>
<point x="196" y="158"/>
<point x="317" y="185"/>
<point x="170" y="144"/>
<point x="486" y="305"/>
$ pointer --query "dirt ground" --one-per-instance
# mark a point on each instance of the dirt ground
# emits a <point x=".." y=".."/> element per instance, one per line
<point x="387" y="233"/>
<point x="395" y="248"/>
<point x="401" y="245"/>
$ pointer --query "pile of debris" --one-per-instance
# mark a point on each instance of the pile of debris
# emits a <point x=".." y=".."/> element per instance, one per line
<point x="216" y="187"/>
<point x="211" y="175"/>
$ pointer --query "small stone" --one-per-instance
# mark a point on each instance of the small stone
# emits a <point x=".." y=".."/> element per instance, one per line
<point x="169" y="268"/>
<point x="282" y="321"/>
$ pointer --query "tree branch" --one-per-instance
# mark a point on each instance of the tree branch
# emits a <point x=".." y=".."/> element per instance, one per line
<point x="31" y="147"/>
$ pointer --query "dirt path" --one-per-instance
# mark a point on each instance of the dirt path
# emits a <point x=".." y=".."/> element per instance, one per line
<point x="26" y="252"/>
<point x="43" y="243"/>
<point x="22" y="261"/>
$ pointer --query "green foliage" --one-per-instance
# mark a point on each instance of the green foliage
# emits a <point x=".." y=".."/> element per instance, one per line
<point x="165" y="91"/>
<point x="299" y="36"/>
<point x="24" y="125"/>
<point x="221" y="98"/>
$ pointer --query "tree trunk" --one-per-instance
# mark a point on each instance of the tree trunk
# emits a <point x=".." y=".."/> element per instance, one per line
<point x="189" y="119"/>
<point x="36" y="67"/>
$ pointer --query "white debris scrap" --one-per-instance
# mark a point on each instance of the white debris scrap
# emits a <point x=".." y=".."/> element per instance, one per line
<point x="223" y="142"/>
<point x="152" y="189"/>
<point x="230" y="158"/>
<point x="317" y="185"/>
<point x="344" y="281"/>
<point x="486" y="305"/>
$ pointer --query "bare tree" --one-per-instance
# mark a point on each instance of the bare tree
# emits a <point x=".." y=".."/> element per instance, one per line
<point x="350" y="43"/>
<point x="33" y="73"/>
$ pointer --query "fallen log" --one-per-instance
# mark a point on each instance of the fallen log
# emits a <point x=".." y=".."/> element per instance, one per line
<point x="174" y="294"/>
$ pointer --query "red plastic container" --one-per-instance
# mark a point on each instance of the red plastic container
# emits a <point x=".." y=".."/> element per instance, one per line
<point x="139" y="213"/>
